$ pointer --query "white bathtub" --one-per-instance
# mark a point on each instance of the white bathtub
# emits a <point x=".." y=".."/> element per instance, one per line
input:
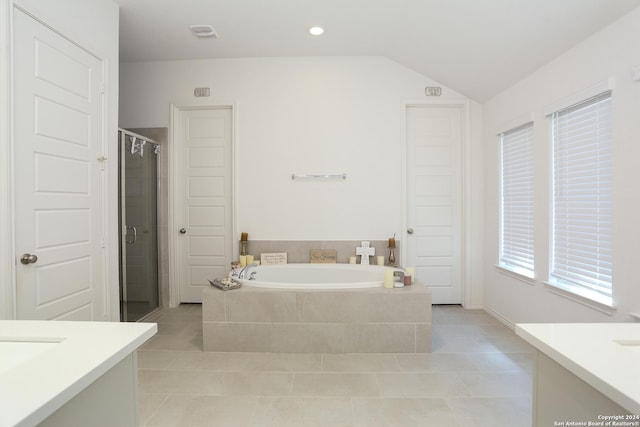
<point x="316" y="276"/>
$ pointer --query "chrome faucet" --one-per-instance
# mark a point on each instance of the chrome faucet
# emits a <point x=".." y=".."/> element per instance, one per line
<point x="245" y="271"/>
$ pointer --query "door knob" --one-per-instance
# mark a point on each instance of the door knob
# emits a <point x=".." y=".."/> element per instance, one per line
<point x="183" y="231"/>
<point x="28" y="259"/>
<point x="410" y="230"/>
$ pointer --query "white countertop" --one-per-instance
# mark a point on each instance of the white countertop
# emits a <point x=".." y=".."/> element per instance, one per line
<point x="44" y="364"/>
<point x="604" y="355"/>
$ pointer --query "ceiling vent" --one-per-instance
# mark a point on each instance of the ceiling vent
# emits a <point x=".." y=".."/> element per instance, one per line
<point x="204" y="31"/>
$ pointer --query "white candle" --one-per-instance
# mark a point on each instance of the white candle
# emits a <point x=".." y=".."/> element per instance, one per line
<point x="243" y="260"/>
<point x="249" y="259"/>
<point x="352" y="260"/>
<point x="380" y="260"/>
<point x="410" y="271"/>
<point x="388" y="278"/>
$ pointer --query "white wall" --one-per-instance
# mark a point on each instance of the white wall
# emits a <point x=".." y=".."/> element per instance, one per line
<point x="609" y="53"/>
<point x="308" y="115"/>
<point x="302" y="115"/>
<point x="94" y="26"/>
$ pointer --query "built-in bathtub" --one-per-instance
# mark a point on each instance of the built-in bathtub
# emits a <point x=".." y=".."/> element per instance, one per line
<point x="308" y="318"/>
<point x="314" y="276"/>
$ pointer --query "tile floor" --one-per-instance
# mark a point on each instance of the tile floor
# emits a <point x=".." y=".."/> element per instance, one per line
<point x="478" y="374"/>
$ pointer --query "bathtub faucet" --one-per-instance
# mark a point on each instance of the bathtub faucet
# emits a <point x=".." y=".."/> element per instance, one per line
<point x="245" y="271"/>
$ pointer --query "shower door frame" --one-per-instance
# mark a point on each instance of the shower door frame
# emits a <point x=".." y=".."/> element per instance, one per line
<point x="123" y="227"/>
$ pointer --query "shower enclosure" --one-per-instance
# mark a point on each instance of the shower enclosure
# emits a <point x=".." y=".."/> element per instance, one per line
<point x="138" y="167"/>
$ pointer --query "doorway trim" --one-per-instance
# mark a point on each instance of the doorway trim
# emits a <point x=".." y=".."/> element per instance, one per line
<point x="464" y="105"/>
<point x="7" y="253"/>
<point x="174" y="190"/>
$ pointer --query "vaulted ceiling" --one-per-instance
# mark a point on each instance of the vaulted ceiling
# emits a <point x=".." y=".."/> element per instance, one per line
<point x="476" y="47"/>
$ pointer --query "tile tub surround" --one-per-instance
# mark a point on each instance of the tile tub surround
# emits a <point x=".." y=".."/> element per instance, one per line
<point x="371" y="320"/>
<point x="298" y="250"/>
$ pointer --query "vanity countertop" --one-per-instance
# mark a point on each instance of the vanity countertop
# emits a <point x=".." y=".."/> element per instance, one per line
<point x="44" y="364"/>
<point x="604" y="355"/>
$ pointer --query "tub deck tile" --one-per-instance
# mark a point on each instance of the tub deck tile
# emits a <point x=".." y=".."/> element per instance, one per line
<point x="366" y="320"/>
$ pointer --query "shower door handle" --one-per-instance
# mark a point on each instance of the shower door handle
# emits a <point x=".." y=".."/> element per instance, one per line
<point x="133" y="238"/>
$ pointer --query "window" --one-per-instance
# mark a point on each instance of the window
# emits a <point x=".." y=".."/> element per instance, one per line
<point x="517" y="194"/>
<point x="581" y="253"/>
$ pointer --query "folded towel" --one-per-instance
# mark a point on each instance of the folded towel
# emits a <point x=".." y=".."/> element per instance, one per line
<point x="225" y="283"/>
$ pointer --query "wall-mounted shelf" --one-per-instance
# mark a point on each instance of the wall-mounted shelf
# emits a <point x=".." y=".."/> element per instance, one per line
<point x="319" y="177"/>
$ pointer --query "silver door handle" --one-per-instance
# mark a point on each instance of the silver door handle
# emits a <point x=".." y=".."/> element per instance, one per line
<point x="183" y="231"/>
<point x="409" y="230"/>
<point x="134" y="237"/>
<point x="27" y="259"/>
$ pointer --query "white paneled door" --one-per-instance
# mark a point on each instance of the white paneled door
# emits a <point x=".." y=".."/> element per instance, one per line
<point x="434" y="199"/>
<point x="58" y="186"/>
<point x="204" y="204"/>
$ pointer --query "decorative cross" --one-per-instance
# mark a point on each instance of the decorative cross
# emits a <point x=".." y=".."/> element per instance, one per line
<point x="365" y="252"/>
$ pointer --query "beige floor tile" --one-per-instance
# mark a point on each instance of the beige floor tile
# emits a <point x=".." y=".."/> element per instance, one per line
<point x="149" y="404"/>
<point x="436" y="362"/>
<point x="492" y="362"/>
<point x="180" y="315"/>
<point x="307" y="412"/>
<point x="203" y="361"/>
<point x="257" y="383"/>
<point x="476" y="367"/>
<point x="174" y="342"/>
<point x="494" y="330"/>
<point x="156" y="359"/>
<point x="458" y="331"/>
<point x="283" y="362"/>
<point x="180" y="382"/>
<point x="171" y="328"/>
<point x="335" y="385"/>
<point x="497" y="384"/>
<point x="442" y="344"/>
<point x="204" y="411"/>
<point x="404" y="412"/>
<point x="421" y="385"/>
<point x="509" y="344"/>
<point x="495" y="412"/>
<point x="356" y="362"/>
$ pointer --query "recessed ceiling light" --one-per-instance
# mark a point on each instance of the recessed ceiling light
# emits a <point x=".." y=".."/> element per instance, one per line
<point x="204" y="31"/>
<point x="316" y="31"/>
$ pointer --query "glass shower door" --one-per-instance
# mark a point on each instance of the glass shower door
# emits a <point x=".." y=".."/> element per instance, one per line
<point x="138" y="225"/>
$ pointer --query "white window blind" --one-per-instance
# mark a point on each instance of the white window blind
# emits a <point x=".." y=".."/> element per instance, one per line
<point x="581" y="259"/>
<point x="517" y="194"/>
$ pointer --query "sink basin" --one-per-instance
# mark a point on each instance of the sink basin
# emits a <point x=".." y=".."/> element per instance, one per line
<point x="16" y="352"/>
<point x="632" y="345"/>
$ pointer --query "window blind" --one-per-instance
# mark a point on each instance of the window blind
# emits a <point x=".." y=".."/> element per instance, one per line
<point x="581" y="259"/>
<point x="517" y="196"/>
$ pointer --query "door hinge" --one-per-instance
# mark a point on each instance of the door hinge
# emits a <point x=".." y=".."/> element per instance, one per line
<point x="102" y="87"/>
<point x="102" y="243"/>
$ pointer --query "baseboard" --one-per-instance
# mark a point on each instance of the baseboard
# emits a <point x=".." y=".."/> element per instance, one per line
<point x="500" y="318"/>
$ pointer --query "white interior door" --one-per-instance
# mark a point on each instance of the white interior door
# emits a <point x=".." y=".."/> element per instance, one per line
<point x="434" y="199"/>
<point x="58" y="176"/>
<point x="204" y="203"/>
